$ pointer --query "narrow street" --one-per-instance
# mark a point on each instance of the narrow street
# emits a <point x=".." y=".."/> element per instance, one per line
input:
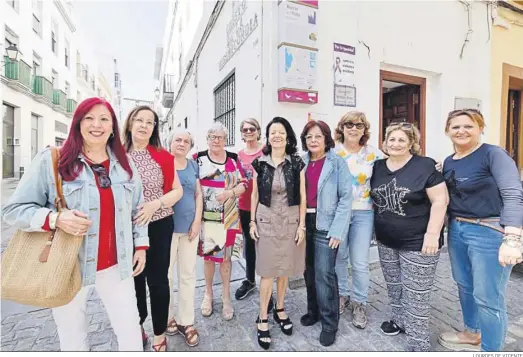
<point x="31" y="329"/>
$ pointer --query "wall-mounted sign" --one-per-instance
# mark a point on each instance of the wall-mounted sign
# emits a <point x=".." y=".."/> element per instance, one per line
<point x="298" y="24"/>
<point x="297" y="52"/>
<point x="238" y="30"/>
<point x="297" y="68"/>
<point x="343" y="68"/>
<point x="344" y="96"/>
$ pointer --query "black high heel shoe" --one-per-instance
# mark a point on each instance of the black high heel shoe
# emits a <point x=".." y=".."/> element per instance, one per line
<point x="285" y="324"/>
<point x="263" y="334"/>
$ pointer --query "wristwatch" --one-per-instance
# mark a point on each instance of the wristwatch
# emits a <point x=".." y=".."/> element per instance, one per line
<point x="53" y="217"/>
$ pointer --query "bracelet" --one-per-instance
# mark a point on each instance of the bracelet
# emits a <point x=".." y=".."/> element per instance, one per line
<point x="252" y="223"/>
<point x="233" y="193"/>
<point x="512" y="240"/>
<point x="303" y="228"/>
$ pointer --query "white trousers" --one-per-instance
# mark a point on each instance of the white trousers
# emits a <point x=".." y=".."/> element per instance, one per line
<point x="119" y="299"/>
<point x="183" y="255"/>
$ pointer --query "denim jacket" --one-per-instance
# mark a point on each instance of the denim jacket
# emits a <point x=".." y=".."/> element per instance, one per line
<point x="334" y="203"/>
<point x="35" y="196"/>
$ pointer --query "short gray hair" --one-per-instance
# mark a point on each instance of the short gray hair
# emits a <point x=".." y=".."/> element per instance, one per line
<point x="216" y="127"/>
<point x="178" y="131"/>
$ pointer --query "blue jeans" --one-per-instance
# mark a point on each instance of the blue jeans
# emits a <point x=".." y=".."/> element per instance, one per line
<point x="320" y="277"/>
<point x="356" y="247"/>
<point x="481" y="280"/>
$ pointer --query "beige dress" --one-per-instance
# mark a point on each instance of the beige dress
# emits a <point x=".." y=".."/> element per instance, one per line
<point x="277" y="254"/>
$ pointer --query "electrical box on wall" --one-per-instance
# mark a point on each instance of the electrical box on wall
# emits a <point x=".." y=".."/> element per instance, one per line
<point x="467" y="103"/>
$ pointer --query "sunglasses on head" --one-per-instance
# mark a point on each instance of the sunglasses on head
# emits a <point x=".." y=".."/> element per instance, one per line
<point x="350" y="125"/>
<point x="464" y="111"/>
<point x="104" y="180"/>
<point x="249" y="130"/>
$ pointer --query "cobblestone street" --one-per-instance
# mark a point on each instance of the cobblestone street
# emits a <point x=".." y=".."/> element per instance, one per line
<point x="32" y="329"/>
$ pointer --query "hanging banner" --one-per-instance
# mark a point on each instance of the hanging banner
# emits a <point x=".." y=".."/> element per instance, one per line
<point x="343" y="67"/>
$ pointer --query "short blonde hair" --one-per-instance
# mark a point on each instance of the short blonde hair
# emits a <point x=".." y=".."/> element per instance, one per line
<point x="351" y="117"/>
<point x="254" y="123"/>
<point x="474" y="115"/>
<point x="412" y="133"/>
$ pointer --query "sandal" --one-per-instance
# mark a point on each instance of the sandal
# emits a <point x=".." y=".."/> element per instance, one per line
<point x="285" y="324"/>
<point x="172" y="328"/>
<point x="190" y="334"/>
<point x="263" y="334"/>
<point x="159" y="346"/>
<point x="206" y="306"/>
<point x="228" y="311"/>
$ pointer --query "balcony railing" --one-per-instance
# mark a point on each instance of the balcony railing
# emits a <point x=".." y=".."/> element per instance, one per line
<point x="11" y="68"/>
<point x="42" y="86"/>
<point x="71" y="105"/>
<point x="60" y="98"/>
<point x="18" y="71"/>
<point x="168" y="90"/>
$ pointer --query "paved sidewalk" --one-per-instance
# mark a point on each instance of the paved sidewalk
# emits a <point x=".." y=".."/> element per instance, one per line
<point x="34" y="329"/>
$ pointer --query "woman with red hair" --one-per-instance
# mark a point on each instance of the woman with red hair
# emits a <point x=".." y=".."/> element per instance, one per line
<point x="102" y="190"/>
<point x="161" y="190"/>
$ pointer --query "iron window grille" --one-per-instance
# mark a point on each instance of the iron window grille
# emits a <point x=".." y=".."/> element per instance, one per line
<point x="225" y="107"/>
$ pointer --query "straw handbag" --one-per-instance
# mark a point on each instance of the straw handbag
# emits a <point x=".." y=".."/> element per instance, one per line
<point x="41" y="268"/>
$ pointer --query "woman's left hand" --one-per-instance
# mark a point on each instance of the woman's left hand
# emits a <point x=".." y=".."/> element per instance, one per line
<point x="300" y="236"/>
<point x="146" y="212"/>
<point x="194" y="231"/>
<point x="509" y="255"/>
<point x="224" y="196"/>
<point x="430" y="244"/>
<point x="139" y="262"/>
<point x="439" y="166"/>
<point x="334" y="243"/>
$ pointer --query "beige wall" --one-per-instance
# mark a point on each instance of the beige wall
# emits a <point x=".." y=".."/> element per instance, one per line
<point x="506" y="48"/>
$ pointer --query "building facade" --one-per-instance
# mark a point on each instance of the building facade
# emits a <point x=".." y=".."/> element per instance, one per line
<point x="507" y="79"/>
<point x="41" y="89"/>
<point x="304" y="60"/>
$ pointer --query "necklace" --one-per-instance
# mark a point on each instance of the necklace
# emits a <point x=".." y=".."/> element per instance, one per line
<point x="313" y="162"/>
<point x="466" y="153"/>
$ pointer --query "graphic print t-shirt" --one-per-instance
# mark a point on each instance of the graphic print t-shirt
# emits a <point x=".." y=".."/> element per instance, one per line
<point x="401" y="204"/>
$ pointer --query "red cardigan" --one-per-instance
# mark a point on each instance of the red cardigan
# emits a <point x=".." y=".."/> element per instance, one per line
<point x="166" y="162"/>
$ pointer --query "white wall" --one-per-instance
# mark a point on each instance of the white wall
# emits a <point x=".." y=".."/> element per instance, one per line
<point x="415" y="38"/>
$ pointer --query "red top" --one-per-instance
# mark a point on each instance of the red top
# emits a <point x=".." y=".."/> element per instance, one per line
<point x="244" y="201"/>
<point x="312" y="177"/>
<point x="166" y="162"/>
<point x="107" y="251"/>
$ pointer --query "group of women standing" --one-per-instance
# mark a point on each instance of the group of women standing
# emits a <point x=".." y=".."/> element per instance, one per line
<point x="143" y="210"/>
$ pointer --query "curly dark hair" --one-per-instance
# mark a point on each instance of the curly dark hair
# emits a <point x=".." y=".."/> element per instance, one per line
<point x="325" y="130"/>
<point x="292" y="142"/>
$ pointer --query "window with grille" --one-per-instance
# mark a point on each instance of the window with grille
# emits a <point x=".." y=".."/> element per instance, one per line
<point x="225" y="107"/>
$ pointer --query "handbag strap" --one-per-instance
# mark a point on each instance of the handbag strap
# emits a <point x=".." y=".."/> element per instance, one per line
<point x="59" y="201"/>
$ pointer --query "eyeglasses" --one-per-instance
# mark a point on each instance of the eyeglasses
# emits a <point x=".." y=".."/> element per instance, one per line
<point x="249" y="130"/>
<point x="403" y="125"/>
<point x="104" y="180"/>
<point x="464" y="111"/>
<point x="148" y="124"/>
<point x="216" y="137"/>
<point x="315" y="137"/>
<point x="350" y="125"/>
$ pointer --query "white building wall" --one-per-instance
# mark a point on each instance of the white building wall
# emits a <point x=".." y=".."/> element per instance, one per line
<point x="422" y="39"/>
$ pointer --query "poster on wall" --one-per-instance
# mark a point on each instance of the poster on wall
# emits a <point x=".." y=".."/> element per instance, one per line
<point x="298" y="24"/>
<point x="297" y="73"/>
<point x="344" y="82"/>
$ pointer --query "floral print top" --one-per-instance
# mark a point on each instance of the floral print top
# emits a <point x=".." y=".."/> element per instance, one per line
<point x="360" y="166"/>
